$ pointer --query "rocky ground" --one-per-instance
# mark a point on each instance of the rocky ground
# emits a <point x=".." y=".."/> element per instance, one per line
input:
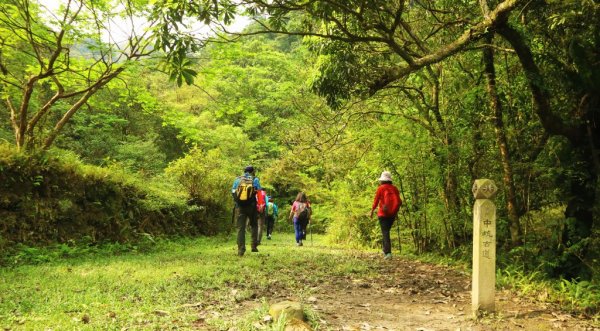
<point x="410" y="295"/>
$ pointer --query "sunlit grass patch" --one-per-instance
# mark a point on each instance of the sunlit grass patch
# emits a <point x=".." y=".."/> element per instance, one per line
<point x="183" y="284"/>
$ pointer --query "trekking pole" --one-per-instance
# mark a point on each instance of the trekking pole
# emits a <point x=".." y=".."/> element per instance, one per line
<point x="406" y="221"/>
<point x="399" y="243"/>
<point x="405" y="202"/>
<point x="232" y="219"/>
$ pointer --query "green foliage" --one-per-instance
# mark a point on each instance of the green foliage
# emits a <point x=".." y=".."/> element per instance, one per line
<point x="69" y="200"/>
<point x="126" y="126"/>
<point x="53" y="64"/>
<point x="162" y="143"/>
<point x="142" y="156"/>
<point x="5" y="135"/>
<point x="174" y="34"/>
<point x="345" y="69"/>
<point x="576" y="296"/>
<point x="205" y="175"/>
<point x="30" y="255"/>
<point x="352" y="226"/>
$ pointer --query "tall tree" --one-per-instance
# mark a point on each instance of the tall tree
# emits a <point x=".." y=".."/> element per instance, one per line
<point x="56" y="60"/>
<point x="502" y="141"/>
<point x="566" y="96"/>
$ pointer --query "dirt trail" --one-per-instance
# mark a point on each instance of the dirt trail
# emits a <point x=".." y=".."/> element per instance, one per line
<point x="411" y="295"/>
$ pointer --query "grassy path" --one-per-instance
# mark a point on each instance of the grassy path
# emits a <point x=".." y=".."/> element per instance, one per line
<point x="202" y="284"/>
<point x="183" y="284"/>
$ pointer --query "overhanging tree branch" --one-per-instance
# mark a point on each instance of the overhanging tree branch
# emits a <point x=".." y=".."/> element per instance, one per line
<point x="76" y="106"/>
<point x="40" y="44"/>
<point x="552" y="123"/>
<point x="495" y="18"/>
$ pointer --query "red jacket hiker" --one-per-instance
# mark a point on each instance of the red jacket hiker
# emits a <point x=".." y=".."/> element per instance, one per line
<point x="388" y="199"/>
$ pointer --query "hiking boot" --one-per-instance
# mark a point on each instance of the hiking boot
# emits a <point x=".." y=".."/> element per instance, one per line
<point x="255" y="249"/>
<point x="269" y="237"/>
<point x="300" y="243"/>
<point x="387" y="256"/>
<point x="241" y="252"/>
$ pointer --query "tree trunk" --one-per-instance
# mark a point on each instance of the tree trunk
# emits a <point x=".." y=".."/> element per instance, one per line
<point x="579" y="214"/>
<point x="507" y="178"/>
<point x="448" y="165"/>
<point x="21" y="121"/>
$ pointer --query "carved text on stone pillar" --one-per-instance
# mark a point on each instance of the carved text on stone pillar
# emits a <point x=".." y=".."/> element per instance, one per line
<point x="484" y="245"/>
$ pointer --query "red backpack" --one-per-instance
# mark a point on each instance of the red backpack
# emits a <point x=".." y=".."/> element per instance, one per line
<point x="390" y="202"/>
<point x="261" y="200"/>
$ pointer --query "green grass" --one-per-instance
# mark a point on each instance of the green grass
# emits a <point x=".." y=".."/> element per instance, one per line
<point x="181" y="284"/>
<point x="577" y="297"/>
<point x="190" y="284"/>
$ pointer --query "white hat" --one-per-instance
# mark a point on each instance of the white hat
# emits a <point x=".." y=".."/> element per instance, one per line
<point x="386" y="176"/>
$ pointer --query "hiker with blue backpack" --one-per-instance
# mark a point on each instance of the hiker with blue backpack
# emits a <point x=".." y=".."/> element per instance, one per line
<point x="272" y="213"/>
<point x="244" y="191"/>
<point x="388" y="202"/>
<point x="300" y="216"/>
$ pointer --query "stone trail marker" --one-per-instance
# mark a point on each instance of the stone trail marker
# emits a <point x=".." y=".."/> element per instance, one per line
<point x="484" y="246"/>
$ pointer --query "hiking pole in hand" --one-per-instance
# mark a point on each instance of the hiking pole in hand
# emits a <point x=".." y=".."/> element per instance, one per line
<point x="232" y="219"/>
<point x="399" y="243"/>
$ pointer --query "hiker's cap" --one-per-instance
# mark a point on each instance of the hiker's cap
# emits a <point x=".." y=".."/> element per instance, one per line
<point x="386" y="176"/>
<point x="249" y="169"/>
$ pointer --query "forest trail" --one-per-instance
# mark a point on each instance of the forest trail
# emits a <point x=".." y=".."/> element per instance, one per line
<point x="419" y="296"/>
<point x="411" y="295"/>
<point x="201" y="284"/>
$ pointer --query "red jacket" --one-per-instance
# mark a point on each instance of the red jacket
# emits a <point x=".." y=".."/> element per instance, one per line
<point x="388" y="199"/>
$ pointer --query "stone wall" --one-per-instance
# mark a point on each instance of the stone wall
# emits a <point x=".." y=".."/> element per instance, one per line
<point x="44" y="200"/>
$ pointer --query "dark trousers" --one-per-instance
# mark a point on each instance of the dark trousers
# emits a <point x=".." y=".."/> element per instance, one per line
<point x="247" y="212"/>
<point x="270" y="224"/>
<point x="298" y="230"/>
<point x="386" y="225"/>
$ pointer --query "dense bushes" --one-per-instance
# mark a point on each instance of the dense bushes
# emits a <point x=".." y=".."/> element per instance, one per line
<point x="52" y="197"/>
